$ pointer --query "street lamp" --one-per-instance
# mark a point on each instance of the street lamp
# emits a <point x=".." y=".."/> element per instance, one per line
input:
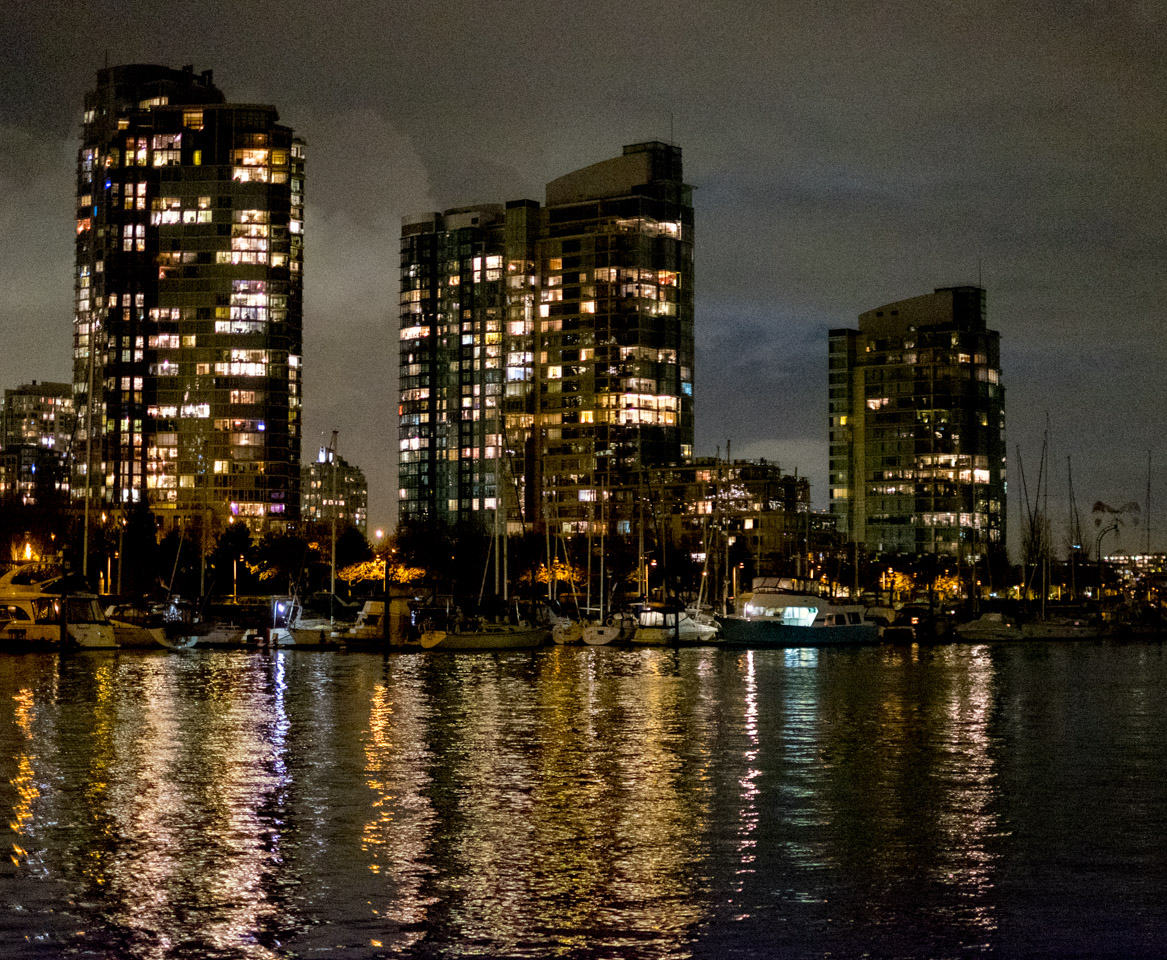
<point x="1098" y="548"/>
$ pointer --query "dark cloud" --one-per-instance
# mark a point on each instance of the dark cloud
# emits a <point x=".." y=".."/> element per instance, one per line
<point x="847" y="154"/>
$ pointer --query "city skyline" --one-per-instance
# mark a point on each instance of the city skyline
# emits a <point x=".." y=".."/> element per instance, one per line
<point x="842" y="157"/>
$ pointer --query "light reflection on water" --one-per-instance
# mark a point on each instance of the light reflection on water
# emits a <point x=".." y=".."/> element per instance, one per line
<point x="586" y="802"/>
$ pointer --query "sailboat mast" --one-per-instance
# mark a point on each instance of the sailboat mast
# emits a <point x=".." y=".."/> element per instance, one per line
<point x="1075" y="532"/>
<point x="591" y="529"/>
<point x="332" y="580"/>
<point x="603" y="530"/>
<point x="1148" y="547"/>
<point x="88" y="448"/>
<point x="725" y="567"/>
<point x="641" y="565"/>
<point x="498" y="492"/>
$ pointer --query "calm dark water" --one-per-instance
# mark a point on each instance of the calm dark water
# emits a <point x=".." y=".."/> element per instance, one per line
<point x="1000" y="801"/>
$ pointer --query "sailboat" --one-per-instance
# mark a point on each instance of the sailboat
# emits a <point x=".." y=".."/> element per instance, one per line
<point x="608" y="627"/>
<point x="445" y="628"/>
<point x="483" y="635"/>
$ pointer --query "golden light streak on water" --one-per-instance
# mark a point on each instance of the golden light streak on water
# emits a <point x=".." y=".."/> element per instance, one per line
<point x="24" y="782"/>
<point x="397" y="838"/>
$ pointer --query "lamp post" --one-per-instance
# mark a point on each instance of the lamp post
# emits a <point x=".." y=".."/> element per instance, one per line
<point x="1098" y="548"/>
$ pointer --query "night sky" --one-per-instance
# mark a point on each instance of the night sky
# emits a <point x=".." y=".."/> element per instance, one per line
<point x="845" y="155"/>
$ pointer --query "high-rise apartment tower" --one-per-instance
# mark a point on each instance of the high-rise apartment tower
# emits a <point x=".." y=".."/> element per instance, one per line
<point x="917" y="427"/>
<point x="188" y="324"/>
<point x="547" y="352"/>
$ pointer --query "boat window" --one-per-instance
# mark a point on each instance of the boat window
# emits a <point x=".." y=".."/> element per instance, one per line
<point x="799" y="616"/>
<point x="44" y="609"/>
<point x="83" y="610"/>
<point x="15" y="613"/>
<point x="854" y="618"/>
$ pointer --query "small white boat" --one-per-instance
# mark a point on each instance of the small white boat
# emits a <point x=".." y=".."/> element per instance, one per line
<point x="987" y="628"/>
<point x="225" y="633"/>
<point x="313" y="632"/>
<point x="656" y="627"/>
<point x="162" y="626"/>
<point x="565" y="631"/>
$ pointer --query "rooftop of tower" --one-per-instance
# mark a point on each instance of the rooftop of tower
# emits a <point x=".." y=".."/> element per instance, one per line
<point x="640" y="163"/>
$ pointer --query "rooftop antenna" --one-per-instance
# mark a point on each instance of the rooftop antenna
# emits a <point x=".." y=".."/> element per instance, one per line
<point x="672" y="136"/>
<point x="980" y="282"/>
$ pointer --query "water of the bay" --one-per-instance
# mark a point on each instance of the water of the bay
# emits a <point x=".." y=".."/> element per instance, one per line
<point x="999" y="801"/>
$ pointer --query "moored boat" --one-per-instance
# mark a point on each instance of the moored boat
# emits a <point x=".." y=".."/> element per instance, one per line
<point x="162" y="626"/>
<point x="660" y="627"/>
<point x="776" y="618"/>
<point x="485" y="636"/>
<point x="38" y="609"/>
<point x="369" y="628"/>
<point x="988" y="627"/>
<point x="313" y="632"/>
<point x="617" y="628"/>
<point x="1062" y="628"/>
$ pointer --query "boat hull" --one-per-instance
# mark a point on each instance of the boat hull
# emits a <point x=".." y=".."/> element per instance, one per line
<point x="313" y="635"/>
<point x="22" y="636"/>
<point x="567" y="633"/>
<point x="1062" y="630"/>
<point x="667" y="636"/>
<point x="498" y="639"/>
<point x="601" y="635"/>
<point x="740" y="632"/>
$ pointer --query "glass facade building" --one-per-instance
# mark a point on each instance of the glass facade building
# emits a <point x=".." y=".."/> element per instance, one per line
<point x="188" y="321"/>
<point x="917" y="428"/>
<point x="550" y="346"/>
<point x="468" y="289"/>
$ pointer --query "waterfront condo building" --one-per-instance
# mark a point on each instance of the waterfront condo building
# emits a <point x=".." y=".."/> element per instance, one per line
<point x="37" y="422"/>
<point x="917" y="428"/>
<point x="468" y="308"/>
<point x="551" y="347"/>
<point x="331" y="488"/>
<point x="187" y="332"/>
<point x="38" y="415"/>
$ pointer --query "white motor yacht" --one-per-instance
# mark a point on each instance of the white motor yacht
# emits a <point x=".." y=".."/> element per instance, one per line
<point x="38" y="610"/>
